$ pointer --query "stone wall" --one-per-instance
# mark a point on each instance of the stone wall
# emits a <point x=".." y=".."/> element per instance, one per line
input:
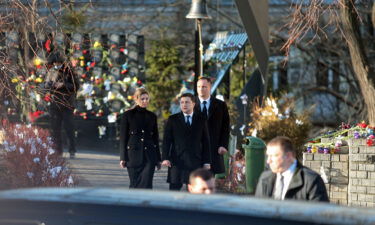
<point x="349" y="175"/>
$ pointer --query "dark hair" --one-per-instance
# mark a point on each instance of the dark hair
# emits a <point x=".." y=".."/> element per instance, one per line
<point x="188" y="95"/>
<point x="284" y="142"/>
<point x="55" y="58"/>
<point x="205" y="78"/>
<point x="204" y="174"/>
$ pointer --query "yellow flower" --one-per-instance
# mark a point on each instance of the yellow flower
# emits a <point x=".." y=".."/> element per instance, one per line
<point x="97" y="44"/>
<point x="39" y="80"/>
<point x="38" y="61"/>
<point x="15" y="80"/>
<point x="314" y="149"/>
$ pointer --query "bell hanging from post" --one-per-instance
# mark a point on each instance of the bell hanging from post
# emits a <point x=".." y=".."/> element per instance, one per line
<point x="198" y="10"/>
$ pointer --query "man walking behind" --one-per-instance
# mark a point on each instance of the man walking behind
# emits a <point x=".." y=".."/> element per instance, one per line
<point x="216" y="113"/>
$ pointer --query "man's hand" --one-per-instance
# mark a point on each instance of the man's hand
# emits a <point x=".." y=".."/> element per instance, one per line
<point x="158" y="165"/>
<point x="222" y="150"/>
<point x="166" y="163"/>
<point x="207" y="166"/>
<point x="122" y="164"/>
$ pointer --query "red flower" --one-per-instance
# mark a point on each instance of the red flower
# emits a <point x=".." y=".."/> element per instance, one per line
<point x="47" y="45"/>
<point x="47" y="98"/>
<point x="370" y="142"/>
<point x="363" y="125"/>
<point x="345" y="125"/>
<point x="124" y="71"/>
<point x="35" y="115"/>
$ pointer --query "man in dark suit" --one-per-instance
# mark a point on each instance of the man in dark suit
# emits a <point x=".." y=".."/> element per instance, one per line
<point x="186" y="144"/>
<point x="216" y="113"/>
<point x="287" y="178"/>
<point x="62" y="84"/>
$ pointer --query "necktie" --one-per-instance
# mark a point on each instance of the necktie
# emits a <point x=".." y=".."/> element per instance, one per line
<point x="278" y="194"/>
<point x="188" y="120"/>
<point x="204" y="111"/>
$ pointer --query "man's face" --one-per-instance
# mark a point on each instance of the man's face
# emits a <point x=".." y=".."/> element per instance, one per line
<point x="186" y="105"/>
<point x="200" y="186"/>
<point x="277" y="159"/>
<point x="203" y="89"/>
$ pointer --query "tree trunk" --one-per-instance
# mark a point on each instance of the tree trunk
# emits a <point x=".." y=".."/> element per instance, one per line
<point x="361" y="67"/>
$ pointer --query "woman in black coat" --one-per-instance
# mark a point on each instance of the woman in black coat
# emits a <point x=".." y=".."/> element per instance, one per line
<point x="139" y="142"/>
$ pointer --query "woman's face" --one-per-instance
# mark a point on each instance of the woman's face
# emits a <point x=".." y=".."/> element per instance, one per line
<point x="143" y="100"/>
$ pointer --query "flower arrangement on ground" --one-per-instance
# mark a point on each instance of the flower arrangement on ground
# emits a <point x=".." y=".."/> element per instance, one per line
<point x="336" y="141"/>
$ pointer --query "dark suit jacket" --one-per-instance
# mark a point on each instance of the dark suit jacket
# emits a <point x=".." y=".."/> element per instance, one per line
<point x="186" y="147"/>
<point x="139" y="137"/>
<point x="218" y="128"/>
<point x="305" y="185"/>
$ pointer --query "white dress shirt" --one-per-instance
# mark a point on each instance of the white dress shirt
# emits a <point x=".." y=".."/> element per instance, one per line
<point x="288" y="175"/>
<point x="190" y="119"/>
<point x="208" y="100"/>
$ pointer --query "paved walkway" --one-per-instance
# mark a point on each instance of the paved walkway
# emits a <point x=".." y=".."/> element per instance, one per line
<point x="98" y="169"/>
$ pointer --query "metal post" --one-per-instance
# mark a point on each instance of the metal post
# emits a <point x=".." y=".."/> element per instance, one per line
<point x="244" y="81"/>
<point x="198" y="53"/>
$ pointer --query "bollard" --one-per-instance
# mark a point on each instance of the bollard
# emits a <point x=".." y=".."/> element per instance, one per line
<point x="231" y="150"/>
<point x="255" y="158"/>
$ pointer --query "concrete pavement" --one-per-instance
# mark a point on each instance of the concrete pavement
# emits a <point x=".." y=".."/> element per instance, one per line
<point x="101" y="169"/>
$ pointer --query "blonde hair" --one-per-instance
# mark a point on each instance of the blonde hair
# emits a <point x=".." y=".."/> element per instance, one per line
<point x="139" y="92"/>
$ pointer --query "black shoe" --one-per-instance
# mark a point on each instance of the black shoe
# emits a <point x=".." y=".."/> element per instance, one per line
<point x="72" y="155"/>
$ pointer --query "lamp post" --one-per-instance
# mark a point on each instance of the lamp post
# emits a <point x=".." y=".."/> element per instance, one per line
<point x="198" y="11"/>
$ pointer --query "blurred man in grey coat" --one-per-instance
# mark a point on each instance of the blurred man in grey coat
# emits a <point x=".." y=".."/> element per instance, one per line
<point x="287" y="178"/>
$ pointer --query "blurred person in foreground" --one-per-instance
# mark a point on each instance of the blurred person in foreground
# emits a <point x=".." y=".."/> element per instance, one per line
<point x="139" y="142"/>
<point x="201" y="181"/>
<point x="62" y="84"/>
<point x="288" y="178"/>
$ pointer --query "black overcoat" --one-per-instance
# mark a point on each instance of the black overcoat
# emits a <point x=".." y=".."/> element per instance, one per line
<point x="139" y="137"/>
<point x="218" y="128"/>
<point x="186" y="147"/>
<point x="306" y="184"/>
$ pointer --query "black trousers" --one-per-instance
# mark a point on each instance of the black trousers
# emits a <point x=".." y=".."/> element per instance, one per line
<point x="62" y="116"/>
<point x="141" y="177"/>
<point x="175" y="186"/>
